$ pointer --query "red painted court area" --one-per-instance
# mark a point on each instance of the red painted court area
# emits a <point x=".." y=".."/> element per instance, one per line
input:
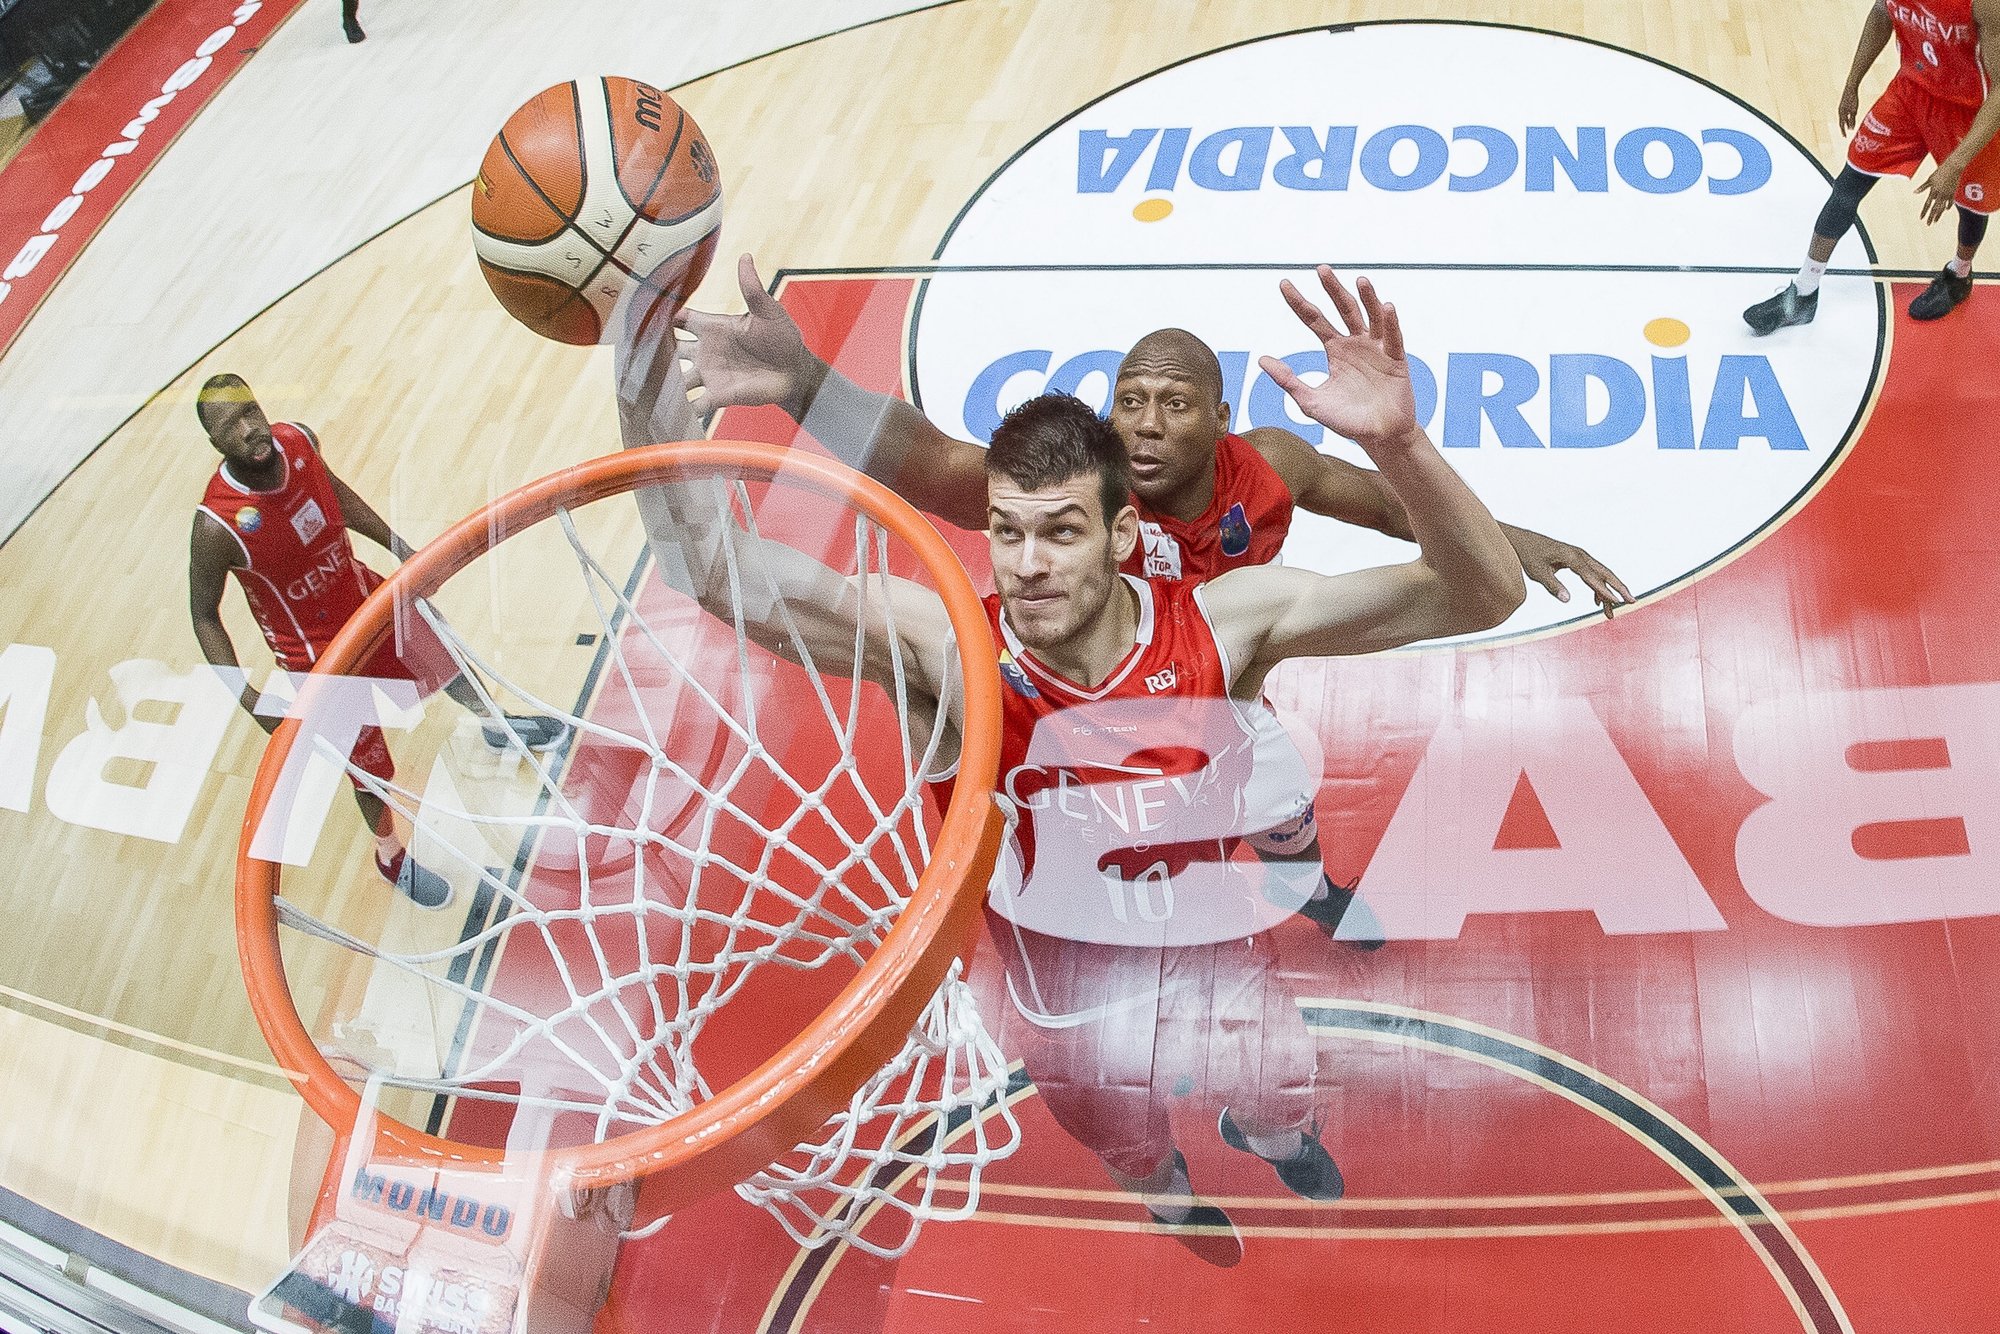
<point x="1778" y="1120"/>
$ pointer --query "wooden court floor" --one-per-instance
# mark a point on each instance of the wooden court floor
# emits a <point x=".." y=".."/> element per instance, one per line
<point x="143" y="1103"/>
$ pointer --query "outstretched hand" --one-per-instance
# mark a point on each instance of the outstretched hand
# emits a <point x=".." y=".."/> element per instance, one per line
<point x="1543" y="558"/>
<point x="1366" y="396"/>
<point x="751" y="359"/>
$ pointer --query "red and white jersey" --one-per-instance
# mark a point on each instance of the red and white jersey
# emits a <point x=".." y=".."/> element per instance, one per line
<point x="1245" y="522"/>
<point x="1939" y="44"/>
<point x="299" y="571"/>
<point x="1130" y="800"/>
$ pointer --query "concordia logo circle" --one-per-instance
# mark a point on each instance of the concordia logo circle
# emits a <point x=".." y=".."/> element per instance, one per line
<point x="1564" y="227"/>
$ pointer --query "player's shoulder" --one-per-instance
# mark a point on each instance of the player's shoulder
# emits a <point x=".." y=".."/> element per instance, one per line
<point x="302" y="433"/>
<point x="1288" y="454"/>
<point x="210" y="540"/>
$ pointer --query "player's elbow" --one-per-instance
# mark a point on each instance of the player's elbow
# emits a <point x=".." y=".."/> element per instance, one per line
<point x="1484" y="602"/>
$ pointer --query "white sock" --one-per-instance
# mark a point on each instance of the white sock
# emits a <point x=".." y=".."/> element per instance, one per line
<point x="1280" y="1147"/>
<point x="1809" y="275"/>
<point x="1961" y="267"/>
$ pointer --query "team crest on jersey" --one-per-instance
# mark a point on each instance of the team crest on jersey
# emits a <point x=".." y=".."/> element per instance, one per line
<point x="1011" y="673"/>
<point x="249" y="519"/>
<point x="1163" y="552"/>
<point x="309" y="522"/>
<point x="1235" y="531"/>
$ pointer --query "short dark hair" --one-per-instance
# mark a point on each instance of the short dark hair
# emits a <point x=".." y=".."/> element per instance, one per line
<point x="1050" y="439"/>
<point x="212" y="388"/>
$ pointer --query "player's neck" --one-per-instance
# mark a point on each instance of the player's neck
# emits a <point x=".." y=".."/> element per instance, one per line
<point x="1191" y="501"/>
<point x="1095" y="651"/>
<point x="268" y="476"/>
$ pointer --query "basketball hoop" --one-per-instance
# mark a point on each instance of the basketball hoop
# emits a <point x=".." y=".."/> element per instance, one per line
<point x="694" y="890"/>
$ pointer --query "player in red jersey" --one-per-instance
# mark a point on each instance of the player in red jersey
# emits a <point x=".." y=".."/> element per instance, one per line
<point x="1939" y="104"/>
<point x="277" y="518"/>
<point x="1208" y="500"/>
<point x="1140" y="964"/>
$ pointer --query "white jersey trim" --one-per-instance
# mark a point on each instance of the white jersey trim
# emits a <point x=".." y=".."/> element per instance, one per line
<point x="229" y="528"/>
<point x="1025" y="658"/>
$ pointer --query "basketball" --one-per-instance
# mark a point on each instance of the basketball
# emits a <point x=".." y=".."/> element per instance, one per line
<point x="598" y="202"/>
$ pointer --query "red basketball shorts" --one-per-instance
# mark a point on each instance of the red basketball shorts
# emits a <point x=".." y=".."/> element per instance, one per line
<point x="1907" y="124"/>
<point x="1115" y="1036"/>
<point x="410" y="651"/>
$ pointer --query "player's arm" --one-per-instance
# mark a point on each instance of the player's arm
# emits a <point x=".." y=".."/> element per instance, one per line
<point x="790" y="602"/>
<point x="1323" y="484"/>
<point x="1940" y="188"/>
<point x="211" y="551"/>
<point x="357" y="515"/>
<point x="760" y="357"/>
<point x="1876" y="30"/>
<point x="362" y="518"/>
<point x="1466" y="576"/>
<point x="787" y="598"/>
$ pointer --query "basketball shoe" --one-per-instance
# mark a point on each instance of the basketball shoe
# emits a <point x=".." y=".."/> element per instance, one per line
<point x="1309" y="1174"/>
<point x="535" y="731"/>
<point x="1784" y="309"/>
<point x="419" y="884"/>
<point x="1343" y="903"/>
<point x="1942" y="296"/>
<point x="1205" y="1229"/>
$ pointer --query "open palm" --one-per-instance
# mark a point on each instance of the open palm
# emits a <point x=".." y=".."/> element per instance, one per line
<point x="1366" y="396"/>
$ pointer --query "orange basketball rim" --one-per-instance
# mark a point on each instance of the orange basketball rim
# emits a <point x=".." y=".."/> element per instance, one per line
<point x="755" y="1121"/>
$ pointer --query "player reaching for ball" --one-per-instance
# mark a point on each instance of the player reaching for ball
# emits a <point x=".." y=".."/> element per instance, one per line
<point x="277" y="518"/>
<point x="1142" y="970"/>
<point x="1208" y="500"/>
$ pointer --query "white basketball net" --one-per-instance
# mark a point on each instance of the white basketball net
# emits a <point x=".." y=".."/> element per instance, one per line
<point x="707" y="870"/>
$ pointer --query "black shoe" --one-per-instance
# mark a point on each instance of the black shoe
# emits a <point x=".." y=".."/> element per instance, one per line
<point x="1206" y="1230"/>
<point x="535" y="731"/>
<point x="1341" y="903"/>
<point x="353" y="31"/>
<point x="419" y="884"/>
<point x="1784" y="309"/>
<point x="1309" y="1174"/>
<point x="1942" y="296"/>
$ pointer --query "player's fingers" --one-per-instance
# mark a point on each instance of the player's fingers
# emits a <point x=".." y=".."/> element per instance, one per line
<point x="755" y="299"/>
<point x="1391" y="329"/>
<point x="1545" y="575"/>
<point x="1282" y="375"/>
<point x="1309" y="315"/>
<point x="1601" y="580"/>
<point x="1371" y="305"/>
<point x="1343" y="301"/>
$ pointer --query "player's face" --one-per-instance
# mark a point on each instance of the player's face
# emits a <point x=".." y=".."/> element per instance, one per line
<point x="240" y="432"/>
<point x="1055" y="560"/>
<point x="1170" y="422"/>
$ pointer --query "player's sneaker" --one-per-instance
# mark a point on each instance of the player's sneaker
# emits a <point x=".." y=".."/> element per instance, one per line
<point x="1309" y="1174"/>
<point x="1343" y="904"/>
<point x="353" y="31"/>
<point x="535" y="731"/>
<point x="1942" y="296"/>
<point x="419" y="884"/>
<point x="1205" y="1229"/>
<point x="1785" y="309"/>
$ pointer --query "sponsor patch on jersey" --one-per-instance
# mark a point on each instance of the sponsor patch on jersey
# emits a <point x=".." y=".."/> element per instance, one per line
<point x="249" y="519"/>
<point x="1011" y="673"/>
<point x="1163" y="551"/>
<point x="309" y="522"/>
<point x="1235" y="529"/>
